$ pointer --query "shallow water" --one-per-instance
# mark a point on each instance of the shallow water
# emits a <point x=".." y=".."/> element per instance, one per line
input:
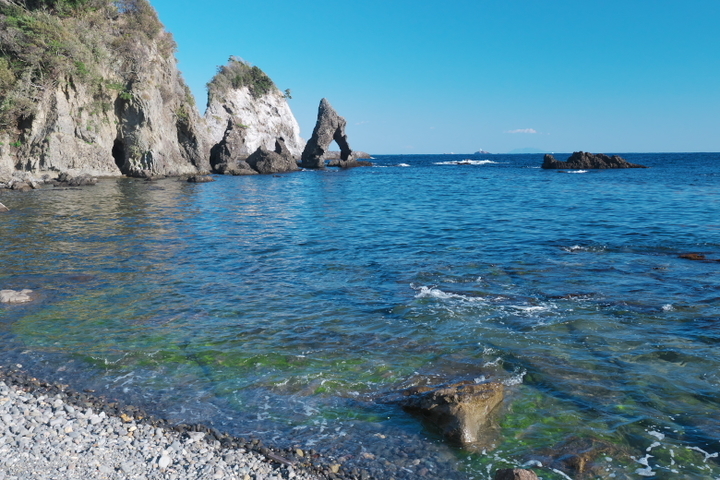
<point x="285" y="305"/>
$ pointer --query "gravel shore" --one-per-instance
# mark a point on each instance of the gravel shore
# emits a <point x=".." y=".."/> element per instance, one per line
<point x="48" y="432"/>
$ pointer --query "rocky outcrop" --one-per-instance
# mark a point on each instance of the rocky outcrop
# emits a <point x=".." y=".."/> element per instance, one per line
<point x="461" y="411"/>
<point x="200" y="179"/>
<point x="113" y="104"/>
<point x="67" y="180"/>
<point x="278" y="161"/>
<point x="13" y="296"/>
<point x="330" y="126"/>
<point x="585" y="161"/>
<point x="246" y="111"/>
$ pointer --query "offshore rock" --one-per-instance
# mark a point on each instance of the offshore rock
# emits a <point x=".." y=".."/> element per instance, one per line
<point x="279" y="161"/>
<point x="330" y="126"/>
<point x="13" y="296"/>
<point x="515" y="474"/>
<point x="461" y="411"/>
<point x="244" y="118"/>
<point x="335" y="155"/>
<point x="585" y="160"/>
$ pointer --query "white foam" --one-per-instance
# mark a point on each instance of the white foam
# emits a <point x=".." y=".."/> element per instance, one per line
<point x="466" y="162"/>
<point x="577" y="171"/>
<point x="515" y="379"/>
<point x="645" y="472"/>
<point x="707" y="455"/>
<point x="668" y="308"/>
<point x="430" y="292"/>
<point x="403" y="165"/>
<point x="657" y="435"/>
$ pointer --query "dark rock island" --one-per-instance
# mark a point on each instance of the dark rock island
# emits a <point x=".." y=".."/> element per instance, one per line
<point x="585" y="161"/>
<point x="330" y="126"/>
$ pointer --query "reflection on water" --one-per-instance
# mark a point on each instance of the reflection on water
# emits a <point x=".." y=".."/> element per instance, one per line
<point x="284" y="305"/>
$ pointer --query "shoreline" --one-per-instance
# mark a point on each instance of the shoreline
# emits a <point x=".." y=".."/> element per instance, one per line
<point x="37" y="418"/>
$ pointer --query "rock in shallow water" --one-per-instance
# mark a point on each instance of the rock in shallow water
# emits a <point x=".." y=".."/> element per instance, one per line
<point x="461" y="410"/>
<point x="13" y="296"/>
<point x="515" y="474"/>
<point x="3" y="208"/>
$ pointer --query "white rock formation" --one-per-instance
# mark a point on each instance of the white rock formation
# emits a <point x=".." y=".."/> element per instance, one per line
<point x="262" y="120"/>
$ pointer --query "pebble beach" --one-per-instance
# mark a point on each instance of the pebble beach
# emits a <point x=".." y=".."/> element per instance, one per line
<point x="49" y="433"/>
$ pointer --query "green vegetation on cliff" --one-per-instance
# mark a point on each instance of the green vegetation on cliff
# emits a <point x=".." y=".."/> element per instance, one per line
<point x="238" y="73"/>
<point x="46" y="43"/>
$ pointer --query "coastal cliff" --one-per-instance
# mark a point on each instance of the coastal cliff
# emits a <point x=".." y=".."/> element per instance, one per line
<point x="92" y="87"/>
<point x="246" y="111"/>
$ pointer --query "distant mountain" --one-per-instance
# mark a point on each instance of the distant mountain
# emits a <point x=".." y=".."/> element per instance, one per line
<point x="481" y="152"/>
<point x="528" y="150"/>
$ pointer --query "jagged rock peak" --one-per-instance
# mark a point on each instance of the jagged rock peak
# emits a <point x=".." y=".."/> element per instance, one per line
<point x="330" y="126"/>
<point x="245" y="111"/>
<point x="584" y="160"/>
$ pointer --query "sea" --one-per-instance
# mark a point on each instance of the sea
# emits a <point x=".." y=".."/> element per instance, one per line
<point x="291" y="307"/>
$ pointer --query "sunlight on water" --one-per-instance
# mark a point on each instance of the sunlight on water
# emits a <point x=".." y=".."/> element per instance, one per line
<point x="287" y="306"/>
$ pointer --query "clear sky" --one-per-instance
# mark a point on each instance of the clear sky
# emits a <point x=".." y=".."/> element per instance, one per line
<point x="463" y="75"/>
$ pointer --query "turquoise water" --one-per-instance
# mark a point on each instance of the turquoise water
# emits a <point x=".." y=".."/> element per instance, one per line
<point x="286" y="305"/>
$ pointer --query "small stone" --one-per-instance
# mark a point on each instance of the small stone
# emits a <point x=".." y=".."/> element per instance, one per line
<point x="515" y="474"/>
<point x="299" y="452"/>
<point x="335" y="468"/>
<point x="164" y="462"/>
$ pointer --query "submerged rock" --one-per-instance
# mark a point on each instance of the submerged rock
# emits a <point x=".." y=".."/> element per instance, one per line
<point x="515" y="474"/>
<point x="330" y="126"/>
<point x="3" y="208"/>
<point x="13" y="296"/>
<point x="461" y="410"/>
<point x="585" y="160"/>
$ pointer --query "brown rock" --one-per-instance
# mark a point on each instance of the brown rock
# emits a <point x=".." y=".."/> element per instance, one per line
<point x="461" y="410"/>
<point x="515" y="474"/>
<point x="692" y="256"/>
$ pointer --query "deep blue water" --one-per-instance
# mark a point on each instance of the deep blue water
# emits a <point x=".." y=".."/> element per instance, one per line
<point x="285" y="305"/>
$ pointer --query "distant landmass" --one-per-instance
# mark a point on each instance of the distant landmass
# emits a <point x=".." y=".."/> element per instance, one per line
<point x="528" y="150"/>
<point x="481" y="152"/>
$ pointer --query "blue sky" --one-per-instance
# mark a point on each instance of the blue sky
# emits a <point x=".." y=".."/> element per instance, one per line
<point x="432" y="77"/>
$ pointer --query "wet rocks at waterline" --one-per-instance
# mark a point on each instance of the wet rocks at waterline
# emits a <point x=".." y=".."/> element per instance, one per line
<point x="279" y="161"/>
<point x="584" y="161"/>
<point x="461" y="411"/>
